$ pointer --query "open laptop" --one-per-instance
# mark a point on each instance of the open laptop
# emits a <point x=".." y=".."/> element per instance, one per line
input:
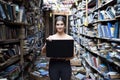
<point x="59" y="48"/>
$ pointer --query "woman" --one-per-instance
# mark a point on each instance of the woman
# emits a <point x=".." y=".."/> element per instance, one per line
<point x="59" y="68"/>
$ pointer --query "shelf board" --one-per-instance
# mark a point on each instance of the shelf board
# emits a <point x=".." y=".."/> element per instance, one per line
<point x="108" y="39"/>
<point x="117" y="57"/>
<point x="10" y="61"/>
<point x="81" y="9"/>
<point x="81" y="25"/>
<point x="117" y="17"/>
<point x="93" y="67"/>
<point x="9" y="41"/>
<point x="103" y="21"/>
<point x="92" y="3"/>
<point x="106" y="20"/>
<point x="109" y="60"/>
<point x="117" y="64"/>
<point x="87" y="36"/>
<point x="15" y="23"/>
<point x="106" y="5"/>
<point x="93" y="23"/>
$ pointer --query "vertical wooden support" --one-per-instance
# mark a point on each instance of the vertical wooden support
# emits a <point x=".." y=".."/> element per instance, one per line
<point x="53" y="23"/>
<point x="22" y="36"/>
<point x="67" y="24"/>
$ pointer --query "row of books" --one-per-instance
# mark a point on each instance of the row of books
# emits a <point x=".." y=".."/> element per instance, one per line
<point x="12" y="12"/>
<point x="9" y="52"/>
<point x="103" y="49"/>
<point x="109" y="30"/>
<point x="102" y="67"/>
<point x="102" y="2"/>
<point x="77" y="19"/>
<point x="106" y="14"/>
<point x="11" y="72"/>
<point x="100" y="54"/>
<point x="7" y="32"/>
<point x="117" y="8"/>
<point x="92" y="17"/>
<point x="109" y="13"/>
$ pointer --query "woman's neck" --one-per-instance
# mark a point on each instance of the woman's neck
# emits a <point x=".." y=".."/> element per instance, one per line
<point x="60" y="34"/>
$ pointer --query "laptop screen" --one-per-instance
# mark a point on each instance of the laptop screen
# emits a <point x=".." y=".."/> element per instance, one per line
<point x="60" y="48"/>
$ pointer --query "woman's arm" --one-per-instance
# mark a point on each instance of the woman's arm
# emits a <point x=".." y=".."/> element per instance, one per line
<point x="43" y="51"/>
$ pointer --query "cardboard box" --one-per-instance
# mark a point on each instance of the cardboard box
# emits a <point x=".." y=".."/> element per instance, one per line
<point x="75" y="62"/>
<point x="117" y="76"/>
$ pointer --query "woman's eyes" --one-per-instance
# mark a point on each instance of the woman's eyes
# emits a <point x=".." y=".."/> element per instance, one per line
<point x="59" y="24"/>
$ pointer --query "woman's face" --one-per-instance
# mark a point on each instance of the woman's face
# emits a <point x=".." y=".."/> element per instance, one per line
<point x="60" y="26"/>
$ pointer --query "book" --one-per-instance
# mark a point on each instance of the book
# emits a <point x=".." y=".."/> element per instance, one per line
<point x="21" y="15"/>
<point x="4" y="6"/>
<point x="109" y="25"/>
<point x="103" y="30"/>
<point x="101" y="15"/>
<point x="13" y="6"/>
<point x="95" y="61"/>
<point x="2" y="13"/>
<point x="16" y="49"/>
<point x="2" y="31"/>
<point x="116" y="30"/>
<point x="117" y="9"/>
<point x="110" y="12"/>
<point x="9" y="9"/>
<point x="118" y="1"/>
<point x="2" y="59"/>
<point x="100" y="33"/>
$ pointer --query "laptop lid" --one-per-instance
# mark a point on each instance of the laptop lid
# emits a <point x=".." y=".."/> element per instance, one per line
<point x="59" y="48"/>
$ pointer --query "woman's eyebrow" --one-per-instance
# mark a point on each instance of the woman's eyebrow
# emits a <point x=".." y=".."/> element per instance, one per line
<point x="60" y="24"/>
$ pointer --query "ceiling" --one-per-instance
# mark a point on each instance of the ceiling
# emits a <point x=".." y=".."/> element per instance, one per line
<point x="58" y="5"/>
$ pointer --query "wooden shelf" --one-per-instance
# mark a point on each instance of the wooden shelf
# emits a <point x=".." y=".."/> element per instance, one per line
<point x="117" y="17"/>
<point x="81" y="25"/>
<point x="93" y="23"/>
<point x="106" y="20"/>
<point x="92" y="3"/>
<point x="88" y="36"/>
<point x="108" y="60"/>
<point x="80" y="10"/>
<point x="104" y="6"/>
<point x="117" y="57"/>
<point x="93" y="67"/>
<point x="107" y="39"/>
<point x="103" y="21"/>
<point x="10" y="61"/>
<point x="15" y="23"/>
<point x="9" y="41"/>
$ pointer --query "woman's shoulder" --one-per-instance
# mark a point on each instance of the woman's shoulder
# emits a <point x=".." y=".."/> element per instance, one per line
<point x="52" y="36"/>
<point x="68" y="36"/>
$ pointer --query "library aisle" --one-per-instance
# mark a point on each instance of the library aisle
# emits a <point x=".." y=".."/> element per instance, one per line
<point x="94" y="26"/>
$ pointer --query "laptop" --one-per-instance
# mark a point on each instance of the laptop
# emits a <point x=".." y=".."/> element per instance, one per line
<point x="59" y="48"/>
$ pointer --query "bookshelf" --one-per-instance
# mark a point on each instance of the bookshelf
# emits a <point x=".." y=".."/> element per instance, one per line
<point x="19" y="27"/>
<point x="100" y="47"/>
